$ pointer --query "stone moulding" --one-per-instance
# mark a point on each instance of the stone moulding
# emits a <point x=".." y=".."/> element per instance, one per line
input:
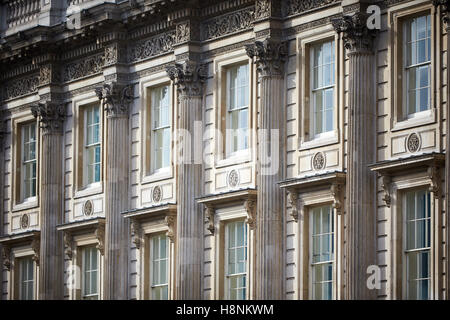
<point x="293" y="7"/>
<point x="83" y="68"/>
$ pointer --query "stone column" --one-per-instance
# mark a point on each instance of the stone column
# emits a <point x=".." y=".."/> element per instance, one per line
<point x="116" y="99"/>
<point x="270" y="56"/>
<point x="361" y="181"/>
<point x="188" y="78"/>
<point x="445" y="11"/>
<point x="2" y="179"/>
<point x="51" y="118"/>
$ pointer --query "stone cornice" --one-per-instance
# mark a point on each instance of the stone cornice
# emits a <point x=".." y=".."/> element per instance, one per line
<point x="115" y="98"/>
<point x="51" y="116"/>
<point x="356" y="36"/>
<point x="269" y="55"/>
<point x="189" y="77"/>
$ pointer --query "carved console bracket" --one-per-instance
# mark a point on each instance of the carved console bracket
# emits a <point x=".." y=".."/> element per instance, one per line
<point x="68" y="244"/>
<point x="435" y="180"/>
<point x="386" y="185"/>
<point x="136" y="233"/>
<point x="171" y="221"/>
<point x="100" y="236"/>
<point x="209" y="214"/>
<point x="6" y="253"/>
<point x="250" y="208"/>
<point x="445" y="10"/>
<point x="36" y="245"/>
<point x="292" y="197"/>
<point x="337" y="189"/>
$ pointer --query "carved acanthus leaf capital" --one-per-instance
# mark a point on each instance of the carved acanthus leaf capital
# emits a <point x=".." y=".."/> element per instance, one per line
<point x="270" y="56"/>
<point x="51" y="116"/>
<point x="115" y="98"/>
<point x="445" y="10"/>
<point x="189" y="77"/>
<point x="357" y="37"/>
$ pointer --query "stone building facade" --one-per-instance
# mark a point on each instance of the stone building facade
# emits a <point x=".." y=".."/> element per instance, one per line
<point x="224" y="149"/>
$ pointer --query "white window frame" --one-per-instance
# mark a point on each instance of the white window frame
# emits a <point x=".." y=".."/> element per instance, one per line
<point x="153" y="129"/>
<point x="405" y="249"/>
<point x="87" y="184"/>
<point x="21" y="280"/>
<point x="329" y="133"/>
<point x="400" y="120"/>
<point x="151" y="261"/>
<point x="230" y="132"/>
<point x="23" y="164"/>
<point x="85" y="296"/>
<point x="332" y="261"/>
<point x="227" y="275"/>
<point x="406" y="68"/>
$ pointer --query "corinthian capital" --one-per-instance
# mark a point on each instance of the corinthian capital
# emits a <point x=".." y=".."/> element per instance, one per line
<point x="116" y="98"/>
<point x="189" y="77"/>
<point x="355" y="34"/>
<point x="270" y="56"/>
<point x="445" y="10"/>
<point x="51" y="116"/>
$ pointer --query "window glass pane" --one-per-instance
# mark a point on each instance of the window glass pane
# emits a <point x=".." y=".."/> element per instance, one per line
<point x="159" y="267"/>
<point x="236" y="268"/>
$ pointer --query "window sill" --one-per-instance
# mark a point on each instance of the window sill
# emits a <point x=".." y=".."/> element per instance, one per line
<point x="90" y="190"/>
<point x="321" y="141"/>
<point x="425" y="117"/>
<point x="238" y="158"/>
<point x="30" y="203"/>
<point x="158" y="176"/>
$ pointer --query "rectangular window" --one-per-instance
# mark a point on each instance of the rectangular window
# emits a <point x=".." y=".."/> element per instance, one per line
<point x="26" y="278"/>
<point x="237" y="98"/>
<point x="160" y="129"/>
<point x="322" y="87"/>
<point x="418" y="244"/>
<point x="28" y="160"/>
<point x="92" y="145"/>
<point x="159" y="273"/>
<point x="236" y="260"/>
<point x="417" y="64"/>
<point x="322" y="255"/>
<point x="91" y="271"/>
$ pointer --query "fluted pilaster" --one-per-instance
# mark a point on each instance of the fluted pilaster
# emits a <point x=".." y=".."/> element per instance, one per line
<point x="445" y="13"/>
<point x="116" y="100"/>
<point x="361" y="181"/>
<point x="2" y="179"/>
<point x="269" y="58"/>
<point x="51" y="117"/>
<point x="189" y="78"/>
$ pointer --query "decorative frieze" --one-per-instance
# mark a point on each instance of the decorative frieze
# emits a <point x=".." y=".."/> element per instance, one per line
<point x="21" y="87"/>
<point x="228" y="23"/>
<point x="83" y="68"/>
<point x="160" y="44"/>
<point x="51" y="116"/>
<point x="189" y="78"/>
<point x="269" y="55"/>
<point x="48" y="74"/>
<point x="293" y="7"/>
<point x="116" y="98"/>
<point x="262" y="9"/>
<point x="355" y="34"/>
<point x="115" y="53"/>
